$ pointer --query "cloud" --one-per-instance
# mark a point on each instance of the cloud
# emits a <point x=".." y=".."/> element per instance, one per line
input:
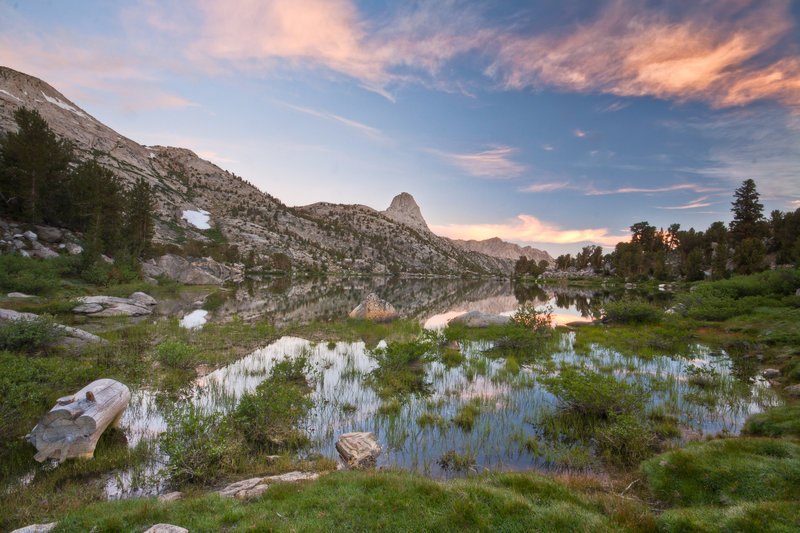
<point x="718" y="52"/>
<point x="627" y="190"/>
<point x="529" y="229"/>
<point x="363" y="128"/>
<point x="694" y="204"/>
<point x="579" y="133"/>
<point x="547" y="147"/>
<point x="492" y="163"/>
<point x="547" y="187"/>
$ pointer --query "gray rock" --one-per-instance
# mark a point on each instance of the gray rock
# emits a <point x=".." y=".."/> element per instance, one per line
<point x="771" y="373"/>
<point x="19" y="295"/>
<point x="73" y="249"/>
<point x="797" y="292"/>
<point x="231" y="490"/>
<point x="42" y="252"/>
<point x="195" y="272"/>
<point x="142" y="298"/>
<point x="476" y="319"/>
<point x="49" y="234"/>
<point x="793" y="390"/>
<point x="166" y="528"/>
<point x="170" y="496"/>
<point x="110" y="306"/>
<point x="24" y="253"/>
<point x="37" y="528"/>
<point x="373" y="308"/>
<point x="18" y="244"/>
<point x="107" y="259"/>
<point x="87" y="309"/>
<point x="254" y="487"/>
<point x="31" y="236"/>
<point x="359" y="450"/>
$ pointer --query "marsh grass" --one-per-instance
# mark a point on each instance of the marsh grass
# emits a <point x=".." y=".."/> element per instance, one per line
<point x="401" y="368"/>
<point x="783" y="421"/>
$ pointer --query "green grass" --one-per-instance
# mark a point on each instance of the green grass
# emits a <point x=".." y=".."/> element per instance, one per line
<point x="763" y="517"/>
<point x="632" y="312"/>
<point x="726" y="472"/>
<point x="781" y="421"/>
<point x="387" y="501"/>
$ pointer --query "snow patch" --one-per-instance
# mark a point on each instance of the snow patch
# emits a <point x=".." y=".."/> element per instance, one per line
<point x="62" y="105"/>
<point x="9" y="94"/>
<point x="152" y="155"/>
<point x="198" y="219"/>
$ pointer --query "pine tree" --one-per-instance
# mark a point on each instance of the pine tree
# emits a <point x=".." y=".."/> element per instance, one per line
<point x="97" y="206"/>
<point x="34" y="167"/>
<point x="748" y="216"/>
<point x="139" y="218"/>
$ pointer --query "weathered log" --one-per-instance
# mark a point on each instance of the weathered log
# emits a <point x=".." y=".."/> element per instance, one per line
<point x="73" y="427"/>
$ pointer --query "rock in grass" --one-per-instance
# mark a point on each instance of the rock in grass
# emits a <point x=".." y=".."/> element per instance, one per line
<point x="476" y="319"/>
<point x="373" y="308"/>
<point x="143" y="298"/>
<point x="166" y="528"/>
<point x="170" y="497"/>
<point x="771" y="373"/>
<point x="19" y="295"/>
<point x="359" y="450"/>
<point x="248" y="489"/>
<point x="37" y="528"/>
<point x="793" y="390"/>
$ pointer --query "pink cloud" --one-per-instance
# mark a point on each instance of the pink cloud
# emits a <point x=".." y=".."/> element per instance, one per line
<point x="711" y="53"/>
<point x="493" y="163"/>
<point x="694" y="204"/>
<point x="546" y="187"/>
<point x="626" y="190"/>
<point x="529" y="229"/>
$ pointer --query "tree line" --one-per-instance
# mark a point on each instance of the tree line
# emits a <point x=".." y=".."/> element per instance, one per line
<point x="42" y="181"/>
<point x="741" y="247"/>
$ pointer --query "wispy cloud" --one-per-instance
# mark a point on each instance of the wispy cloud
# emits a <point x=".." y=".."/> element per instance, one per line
<point x="694" y="204"/>
<point x="495" y="162"/>
<point x="547" y="187"/>
<point x="363" y="128"/>
<point x="547" y="147"/>
<point x="530" y="229"/>
<point x="628" y="190"/>
<point x="579" y="133"/>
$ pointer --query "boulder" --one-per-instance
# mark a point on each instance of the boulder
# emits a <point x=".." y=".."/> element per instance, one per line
<point x="37" y="528"/>
<point x="166" y="528"/>
<point x="195" y="272"/>
<point x="49" y="234"/>
<point x="31" y="236"/>
<point x="142" y="298"/>
<point x="476" y="319"/>
<point x="771" y="373"/>
<point x="19" y="295"/>
<point x="41" y="251"/>
<point x="73" y="249"/>
<point x="110" y="306"/>
<point x="107" y="259"/>
<point x="359" y="450"/>
<point x="373" y="308"/>
<point x="793" y="390"/>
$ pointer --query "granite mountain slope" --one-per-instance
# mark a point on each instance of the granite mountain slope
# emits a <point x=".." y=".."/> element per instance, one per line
<point x="333" y="237"/>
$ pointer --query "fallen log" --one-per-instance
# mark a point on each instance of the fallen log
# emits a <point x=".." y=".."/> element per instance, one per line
<point x="73" y="427"/>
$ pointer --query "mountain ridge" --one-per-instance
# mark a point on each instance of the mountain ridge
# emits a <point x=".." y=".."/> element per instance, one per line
<point x="335" y="237"/>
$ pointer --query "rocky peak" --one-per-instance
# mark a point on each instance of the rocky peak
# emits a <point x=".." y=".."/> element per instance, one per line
<point x="404" y="209"/>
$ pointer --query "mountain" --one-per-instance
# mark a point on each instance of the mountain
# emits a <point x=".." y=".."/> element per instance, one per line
<point x="197" y="200"/>
<point x="496" y="247"/>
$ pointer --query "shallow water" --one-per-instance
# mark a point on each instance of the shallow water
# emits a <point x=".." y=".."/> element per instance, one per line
<point x="511" y="405"/>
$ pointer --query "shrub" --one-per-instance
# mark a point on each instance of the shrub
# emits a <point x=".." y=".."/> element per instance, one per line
<point x="530" y="317"/>
<point x="28" y="275"/>
<point x="199" y="446"/>
<point x="175" y="354"/>
<point x="632" y="312"/>
<point x="269" y="417"/>
<point x="589" y="393"/>
<point x="625" y="440"/>
<point x="29" y="335"/>
<point x="401" y="368"/>
<point x="466" y="416"/>
<point x="726" y="471"/>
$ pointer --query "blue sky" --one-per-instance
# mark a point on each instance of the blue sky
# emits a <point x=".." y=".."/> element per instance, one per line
<point x="555" y="124"/>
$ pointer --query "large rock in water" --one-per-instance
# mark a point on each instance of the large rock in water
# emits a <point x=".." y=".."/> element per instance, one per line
<point x="373" y="308"/>
<point x="195" y="272"/>
<point x="476" y="319"/>
<point x="359" y="450"/>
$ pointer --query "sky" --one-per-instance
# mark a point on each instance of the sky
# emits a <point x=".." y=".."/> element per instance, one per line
<point x="556" y="124"/>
